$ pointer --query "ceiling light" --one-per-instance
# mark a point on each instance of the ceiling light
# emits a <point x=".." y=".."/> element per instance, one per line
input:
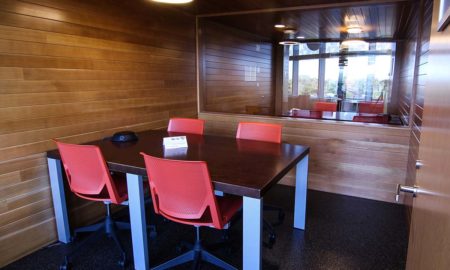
<point x="300" y="37"/>
<point x="354" y="30"/>
<point x="288" y="42"/>
<point x="289" y="31"/>
<point x="173" y="1"/>
<point x="279" y="25"/>
<point x="353" y="41"/>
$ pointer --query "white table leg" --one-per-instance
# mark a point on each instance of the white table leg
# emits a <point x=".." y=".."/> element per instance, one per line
<point x="59" y="199"/>
<point x="252" y="230"/>
<point x="137" y="219"/>
<point x="301" y="187"/>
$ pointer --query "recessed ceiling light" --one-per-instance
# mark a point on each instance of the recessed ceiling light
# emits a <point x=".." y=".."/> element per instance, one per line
<point x="279" y="25"/>
<point x="300" y="37"/>
<point x="173" y="1"/>
<point x="354" y="30"/>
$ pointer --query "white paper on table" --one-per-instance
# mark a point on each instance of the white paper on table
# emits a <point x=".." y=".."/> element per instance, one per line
<point x="175" y="142"/>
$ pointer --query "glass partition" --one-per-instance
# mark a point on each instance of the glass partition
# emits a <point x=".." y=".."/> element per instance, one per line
<point x="352" y="77"/>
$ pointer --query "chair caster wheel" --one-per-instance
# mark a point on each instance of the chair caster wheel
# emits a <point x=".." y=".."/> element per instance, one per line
<point x="65" y="265"/>
<point x="123" y="261"/>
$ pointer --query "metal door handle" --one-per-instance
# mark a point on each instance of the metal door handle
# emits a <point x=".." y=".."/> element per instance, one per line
<point x="419" y="164"/>
<point x="406" y="189"/>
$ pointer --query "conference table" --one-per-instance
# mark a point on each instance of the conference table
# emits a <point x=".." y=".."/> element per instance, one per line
<point x="240" y="167"/>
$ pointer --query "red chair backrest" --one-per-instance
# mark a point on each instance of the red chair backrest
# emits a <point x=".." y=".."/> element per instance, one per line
<point x="259" y="132"/>
<point x="182" y="190"/>
<point x="370" y="107"/>
<point x="325" y="106"/>
<point x="87" y="172"/>
<point x="186" y="125"/>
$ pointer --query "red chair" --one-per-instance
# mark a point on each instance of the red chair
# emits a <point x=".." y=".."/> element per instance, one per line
<point x="259" y="132"/>
<point x="89" y="178"/>
<point x="325" y="106"/>
<point x="371" y="107"/>
<point x="182" y="192"/>
<point x="186" y="125"/>
<point x="266" y="133"/>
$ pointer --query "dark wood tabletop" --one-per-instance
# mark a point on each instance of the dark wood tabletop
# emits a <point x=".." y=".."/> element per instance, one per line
<point x="239" y="167"/>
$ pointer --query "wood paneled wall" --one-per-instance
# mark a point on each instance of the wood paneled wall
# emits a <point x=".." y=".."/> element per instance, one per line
<point x="79" y="71"/>
<point x="356" y="159"/>
<point x="235" y="70"/>
<point x="420" y="77"/>
<point x="407" y="56"/>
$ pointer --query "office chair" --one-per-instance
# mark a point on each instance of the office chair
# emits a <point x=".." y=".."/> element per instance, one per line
<point x="186" y="125"/>
<point x="325" y="106"/>
<point x="267" y="133"/>
<point x="182" y="192"/>
<point x="89" y="178"/>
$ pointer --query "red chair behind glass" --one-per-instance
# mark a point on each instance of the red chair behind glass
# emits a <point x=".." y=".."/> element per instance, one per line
<point x="186" y="125"/>
<point x="371" y="107"/>
<point x="325" y="106"/>
<point x="182" y="192"/>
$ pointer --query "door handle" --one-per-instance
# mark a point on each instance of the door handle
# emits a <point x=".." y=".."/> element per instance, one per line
<point x="414" y="190"/>
<point x="419" y="164"/>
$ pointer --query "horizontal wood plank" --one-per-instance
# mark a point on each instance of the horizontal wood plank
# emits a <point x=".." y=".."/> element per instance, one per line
<point x="80" y="71"/>
<point x="353" y="159"/>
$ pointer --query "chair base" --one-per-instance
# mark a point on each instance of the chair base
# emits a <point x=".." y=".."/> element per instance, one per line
<point x="269" y="227"/>
<point x="108" y="227"/>
<point x="196" y="255"/>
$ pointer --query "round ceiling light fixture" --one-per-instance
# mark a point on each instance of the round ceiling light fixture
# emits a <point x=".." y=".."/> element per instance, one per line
<point x="288" y="42"/>
<point x="288" y="38"/>
<point x="354" y="29"/>
<point x="353" y="41"/>
<point x="173" y="1"/>
<point x="279" y="25"/>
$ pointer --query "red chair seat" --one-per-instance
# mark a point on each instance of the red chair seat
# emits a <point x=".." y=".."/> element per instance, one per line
<point x="229" y="205"/>
<point x="120" y="183"/>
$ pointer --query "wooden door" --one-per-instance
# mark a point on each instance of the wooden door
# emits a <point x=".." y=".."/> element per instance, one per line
<point x="429" y="240"/>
